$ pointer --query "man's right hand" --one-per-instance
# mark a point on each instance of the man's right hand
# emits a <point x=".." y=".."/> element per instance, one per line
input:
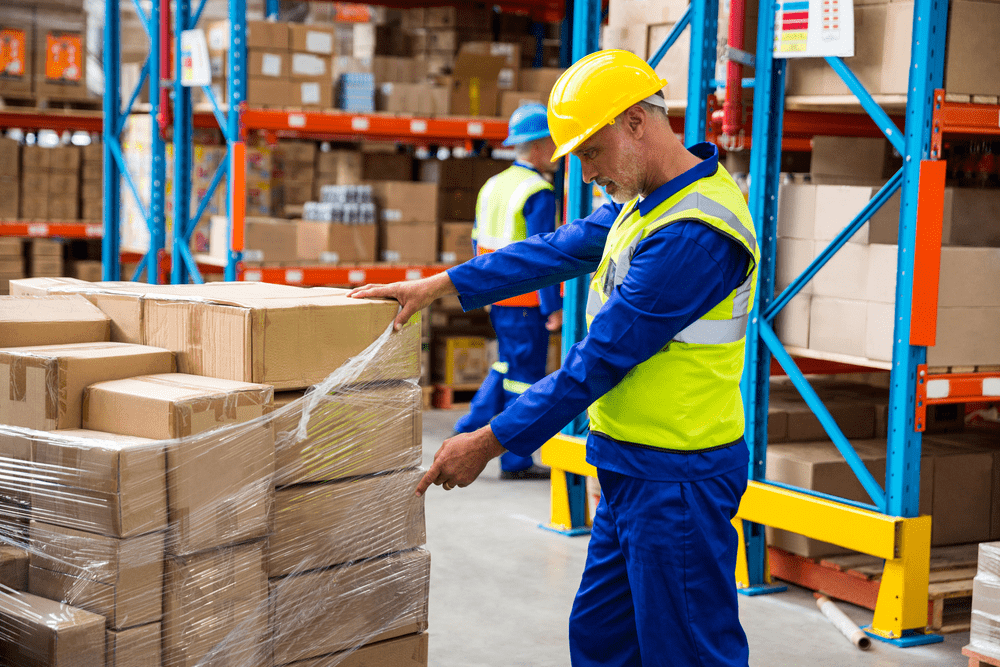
<point x="412" y="295"/>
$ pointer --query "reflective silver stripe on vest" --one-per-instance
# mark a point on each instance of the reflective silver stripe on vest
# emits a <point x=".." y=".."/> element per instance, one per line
<point x="716" y="210"/>
<point x="741" y="301"/>
<point x="594" y="303"/>
<point x="714" y="332"/>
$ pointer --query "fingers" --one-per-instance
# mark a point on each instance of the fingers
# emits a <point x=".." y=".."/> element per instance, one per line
<point x="430" y="477"/>
<point x="371" y="290"/>
<point x="405" y="313"/>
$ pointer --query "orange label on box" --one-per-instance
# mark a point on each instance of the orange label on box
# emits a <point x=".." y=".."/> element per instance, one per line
<point x="64" y="56"/>
<point x="350" y="12"/>
<point x="12" y="52"/>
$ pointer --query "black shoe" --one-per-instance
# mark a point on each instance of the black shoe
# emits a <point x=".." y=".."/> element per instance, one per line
<point x="534" y="472"/>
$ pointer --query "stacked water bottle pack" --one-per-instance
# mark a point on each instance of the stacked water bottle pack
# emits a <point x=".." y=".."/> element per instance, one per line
<point x="347" y="204"/>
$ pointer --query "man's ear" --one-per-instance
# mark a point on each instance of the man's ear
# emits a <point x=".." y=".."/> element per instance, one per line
<point x="635" y="120"/>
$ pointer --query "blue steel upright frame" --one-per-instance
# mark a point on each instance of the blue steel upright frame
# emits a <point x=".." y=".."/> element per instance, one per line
<point x="584" y="19"/>
<point x="900" y="496"/>
<point x="115" y="168"/>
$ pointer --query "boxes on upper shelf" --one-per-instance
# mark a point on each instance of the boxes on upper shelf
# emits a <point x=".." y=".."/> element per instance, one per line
<point x="456" y="242"/>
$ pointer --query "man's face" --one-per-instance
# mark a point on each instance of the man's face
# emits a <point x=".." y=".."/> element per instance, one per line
<point x="547" y="147"/>
<point x="611" y="159"/>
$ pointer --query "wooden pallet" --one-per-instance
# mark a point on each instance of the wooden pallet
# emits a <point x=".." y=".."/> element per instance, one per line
<point x="453" y="397"/>
<point x="856" y="578"/>
<point x="977" y="659"/>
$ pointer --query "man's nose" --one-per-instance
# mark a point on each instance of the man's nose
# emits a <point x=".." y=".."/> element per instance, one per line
<point x="589" y="173"/>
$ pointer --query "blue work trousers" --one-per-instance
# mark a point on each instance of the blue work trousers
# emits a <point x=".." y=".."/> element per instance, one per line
<point x="523" y="344"/>
<point x="659" y="586"/>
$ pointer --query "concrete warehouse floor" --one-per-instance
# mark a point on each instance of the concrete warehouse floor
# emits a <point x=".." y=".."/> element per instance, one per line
<point x="502" y="588"/>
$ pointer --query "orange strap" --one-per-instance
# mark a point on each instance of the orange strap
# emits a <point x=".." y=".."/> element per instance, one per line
<point x="529" y="300"/>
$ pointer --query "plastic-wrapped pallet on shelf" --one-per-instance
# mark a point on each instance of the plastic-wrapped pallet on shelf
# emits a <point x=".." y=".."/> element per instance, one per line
<point x="176" y="519"/>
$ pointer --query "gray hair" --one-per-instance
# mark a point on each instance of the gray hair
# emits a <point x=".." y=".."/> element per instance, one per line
<point x="523" y="151"/>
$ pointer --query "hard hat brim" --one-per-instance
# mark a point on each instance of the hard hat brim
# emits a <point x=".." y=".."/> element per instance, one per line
<point x="516" y="139"/>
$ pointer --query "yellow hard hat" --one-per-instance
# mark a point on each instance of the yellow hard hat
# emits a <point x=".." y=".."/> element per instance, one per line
<point x="593" y="91"/>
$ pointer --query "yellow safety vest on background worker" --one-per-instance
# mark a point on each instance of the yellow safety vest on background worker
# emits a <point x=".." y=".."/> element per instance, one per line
<point x="686" y="396"/>
<point x="500" y="216"/>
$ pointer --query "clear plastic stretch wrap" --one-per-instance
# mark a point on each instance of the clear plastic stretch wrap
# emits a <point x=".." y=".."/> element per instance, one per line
<point x="985" y="631"/>
<point x="153" y="515"/>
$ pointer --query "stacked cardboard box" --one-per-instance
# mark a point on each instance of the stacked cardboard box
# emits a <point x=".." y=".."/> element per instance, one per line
<point x="296" y="175"/>
<point x="50" y="183"/>
<point x="60" y="54"/>
<point x="45" y="258"/>
<point x="18" y="27"/>
<point x="91" y="180"/>
<point x="848" y="308"/>
<point x="337" y="167"/>
<point x="263" y="197"/>
<point x="10" y="178"/>
<point x="408" y="214"/>
<point x="154" y="520"/>
<point x="984" y="636"/>
<point x="11" y="262"/>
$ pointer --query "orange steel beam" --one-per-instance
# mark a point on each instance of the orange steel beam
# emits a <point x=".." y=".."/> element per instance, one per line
<point x="961" y="118"/>
<point x="34" y="119"/>
<point x="44" y="229"/>
<point x="927" y="253"/>
<point x="340" y="275"/>
<point x="945" y="388"/>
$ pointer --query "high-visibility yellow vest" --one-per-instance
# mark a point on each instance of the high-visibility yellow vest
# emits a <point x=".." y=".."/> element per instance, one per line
<point x="500" y="216"/>
<point x="686" y="396"/>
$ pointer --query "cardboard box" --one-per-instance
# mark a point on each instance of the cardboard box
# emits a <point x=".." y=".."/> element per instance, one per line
<point x="456" y="204"/>
<point x="120" y="579"/>
<point x="484" y="169"/>
<point x="264" y="239"/>
<point x="475" y="84"/>
<point x="797" y="211"/>
<point x="35" y="158"/>
<point x="845" y="276"/>
<point x="343" y="165"/>
<point x="10" y="153"/>
<point x="963" y="480"/>
<point x="311" y="38"/>
<point x="674" y="65"/>
<point x="336" y="242"/>
<point x="855" y="418"/>
<point x="408" y="651"/>
<point x="633" y="12"/>
<point x="135" y="647"/>
<point x="456" y="242"/>
<point x="300" y="152"/>
<point x="461" y="360"/>
<point x="99" y="482"/>
<point x="173" y="405"/>
<point x="792" y="258"/>
<point x="792" y="323"/>
<point x="332" y="448"/>
<point x="388" y="598"/>
<point x="265" y="63"/>
<point x="43" y="632"/>
<point x="61" y="47"/>
<point x="509" y="76"/>
<point x="46" y="267"/>
<point x="16" y="51"/>
<point x="46" y="248"/>
<point x="510" y="100"/>
<point x="35" y="184"/>
<point x="269" y="92"/>
<point x="42" y="387"/>
<point x="859" y="158"/>
<point x="450" y="173"/>
<point x="51" y="320"/>
<point x="386" y="167"/>
<point x="13" y="567"/>
<point x="456" y="17"/>
<point x="405" y="201"/>
<point x="10" y="198"/>
<point x="969" y="69"/>
<point x="838" y="325"/>
<point x="260" y="35"/>
<point x="85" y="269"/>
<point x="409" y="242"/>
<point x="64" y="184"/>
<point x="319" y="526"/>
<point x="960" y="340"/>
<point x="964" y="209"/>
<point x="216" y="602"/>
<point x="309" y="67"/>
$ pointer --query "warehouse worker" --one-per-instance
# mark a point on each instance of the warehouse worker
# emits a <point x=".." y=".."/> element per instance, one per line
<point x="513" y="205"/>
<point x="674" y="261"/>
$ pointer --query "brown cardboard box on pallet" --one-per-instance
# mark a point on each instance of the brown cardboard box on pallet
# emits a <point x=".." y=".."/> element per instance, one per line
<point x="389" y="598"/>
<point x="120" y="579"/>
<point x="212" y="599"/>
<point x="51" y="320"/>
<point x="13" y="567"/>
<point x="456" y="242"/>
<point x="408" y="651"/>
<point x="17" y="51"/>
<point x="409" y="242"/>
<point x="301" y="537"/>
<point x="42" y="387"/>
<point x="336" y="242"/>
<point x="40" y="631"/>
<point x="135" y="647"/>
<point x="329" y="451"/>
<point x="406" y="201"/>
<point x="481" y="98"/>
<point x="61" y="72"/>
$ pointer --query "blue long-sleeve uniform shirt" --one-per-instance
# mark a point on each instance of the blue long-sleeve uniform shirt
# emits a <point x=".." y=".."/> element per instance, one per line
<point x="540" y="218"/>
<point x="678" y="273"/>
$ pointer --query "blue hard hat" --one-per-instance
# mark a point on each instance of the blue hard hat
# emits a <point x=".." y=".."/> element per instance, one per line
<point x="527" y="123"/>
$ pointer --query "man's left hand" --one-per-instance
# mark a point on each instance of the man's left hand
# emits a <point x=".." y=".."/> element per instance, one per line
<point x="555" y="321"/>
<point x="461" y="459"/>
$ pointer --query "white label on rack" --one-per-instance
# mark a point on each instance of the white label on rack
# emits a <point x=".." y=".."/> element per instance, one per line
<point x="38" y="229"/>
<point x="270" y="64"/>
<point x="319" y="42"/>
<point x="359" y="123"/>
<point x="296" y="120"/>
<point x="310" y="93"/>
<point x="356" y="277"/>
<point x="253" y="255"/>
<point x="414" y="274"/>
<point x="418" y="126"/>
<point x="392" y="214"/>
<point x="293" y="276"/>
<point x="938" y="388"/>
<point x="475" y="129"/>
<point x="252" y="276"/>
<point x="94" y="231"/>
<point x="449" y="257"/>
<point x="991" y="387"/>
<point x="329" y="257"/>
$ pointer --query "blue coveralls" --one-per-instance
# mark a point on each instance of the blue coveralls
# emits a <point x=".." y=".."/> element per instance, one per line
<point x="659" y="584"/>
<point x="522" y="339"/>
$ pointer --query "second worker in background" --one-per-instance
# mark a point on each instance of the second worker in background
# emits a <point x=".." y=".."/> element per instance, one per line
<point x="514" y="205"/>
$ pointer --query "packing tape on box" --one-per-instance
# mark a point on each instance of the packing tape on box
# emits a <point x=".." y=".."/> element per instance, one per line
<point x="295" y="534"/>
